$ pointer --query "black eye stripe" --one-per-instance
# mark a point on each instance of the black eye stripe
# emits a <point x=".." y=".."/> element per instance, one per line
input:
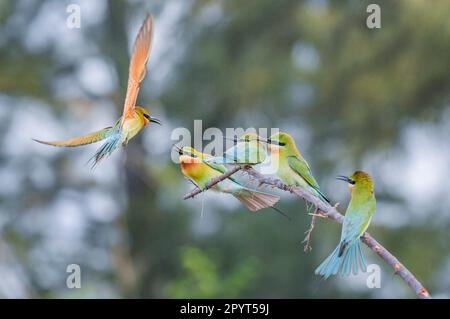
<point x="147" y="116"/>
<point x="277" y="143"/>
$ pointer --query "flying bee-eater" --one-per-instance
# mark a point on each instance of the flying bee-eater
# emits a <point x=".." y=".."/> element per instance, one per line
<point x="348" y="256"/>
<point x="134" y="118"/>
<point x="195" y="167"/>
<point x="249" y="149"/>
<point x="290" y="166"/>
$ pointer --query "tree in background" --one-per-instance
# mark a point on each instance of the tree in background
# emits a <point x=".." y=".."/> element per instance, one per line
<point x="351" y="96"/>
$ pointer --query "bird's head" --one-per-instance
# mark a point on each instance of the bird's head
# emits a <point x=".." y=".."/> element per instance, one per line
<point x="145" y="115"/>
<point x="358" y="180"/>
<point x="281" y="142"/>
<point x="189" y="155"/>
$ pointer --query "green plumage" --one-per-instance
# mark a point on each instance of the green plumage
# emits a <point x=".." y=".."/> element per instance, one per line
<point x="290" y="165"/>
<point x="347" y="256"/>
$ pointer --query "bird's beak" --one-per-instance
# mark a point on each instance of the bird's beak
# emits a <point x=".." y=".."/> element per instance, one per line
<point x="154" y="120"/>
<point x="230" y="139"/>
<point x="178" y="149"/>
<point x="345" y="179"/>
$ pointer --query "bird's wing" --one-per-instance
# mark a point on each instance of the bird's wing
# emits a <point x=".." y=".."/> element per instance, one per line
<point x="243" y="153"/>
<point x="301" y="167"/>
<point x="82" y="140"/>
<point x="222" y="169"/>
<point x="209" y="160"/>
<point x="355" y="224"/>
<point x="138" y="65"/>
<point x="218" y="167"/>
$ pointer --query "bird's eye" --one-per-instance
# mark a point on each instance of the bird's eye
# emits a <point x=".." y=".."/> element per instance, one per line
<point x="281" y="143"/>
<point x="352" y="182"/>
<point x="147" y="116"/>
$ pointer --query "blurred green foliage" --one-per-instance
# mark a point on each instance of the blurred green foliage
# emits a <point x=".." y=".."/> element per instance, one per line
<point x="202" y="278"/>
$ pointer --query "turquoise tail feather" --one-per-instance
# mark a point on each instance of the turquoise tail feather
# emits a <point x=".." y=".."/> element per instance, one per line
<point x="345" y="259"/>
<point x="330" y="265"/>
<point x="111" y="144"/>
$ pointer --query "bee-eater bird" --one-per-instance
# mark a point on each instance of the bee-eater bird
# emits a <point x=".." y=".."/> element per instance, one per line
<point x="194" y="166"/>
<point x="249" y="149"/>
<point x="290" y="165"/>
<point x="134" y="118"/>
<point x="348" y="256"/>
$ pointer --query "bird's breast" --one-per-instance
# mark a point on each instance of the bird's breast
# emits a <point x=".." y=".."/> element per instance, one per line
<point x="132" y="126"/>
<point x="191" y="167"/>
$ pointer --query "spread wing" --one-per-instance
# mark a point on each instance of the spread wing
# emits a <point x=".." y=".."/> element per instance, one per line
<point x="82" y="140"/>
<point x="138" y="65"/>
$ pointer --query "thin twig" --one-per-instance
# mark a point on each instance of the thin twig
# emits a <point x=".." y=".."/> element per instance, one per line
<point x="332" y="213"/>
<point x="308" y="237"/>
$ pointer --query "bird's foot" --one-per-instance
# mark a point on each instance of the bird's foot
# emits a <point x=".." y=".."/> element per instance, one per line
<point x="320" y="214"/>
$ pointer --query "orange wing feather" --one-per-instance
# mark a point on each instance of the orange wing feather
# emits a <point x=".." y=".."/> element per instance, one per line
<point x="138" y="65"/>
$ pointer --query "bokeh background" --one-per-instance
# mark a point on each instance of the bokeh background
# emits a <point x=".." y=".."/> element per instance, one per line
<point x="376" y="100"/>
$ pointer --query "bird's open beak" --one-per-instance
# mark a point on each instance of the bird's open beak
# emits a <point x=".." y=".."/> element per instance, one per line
<point x="345" y="179"/>
<point x="154" y="120"/>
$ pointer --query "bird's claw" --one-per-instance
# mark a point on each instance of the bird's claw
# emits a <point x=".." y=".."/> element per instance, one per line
<point x="320" y="214"/>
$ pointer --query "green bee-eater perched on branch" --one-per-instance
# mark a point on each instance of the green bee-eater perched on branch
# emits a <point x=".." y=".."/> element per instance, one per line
<point x="348" y="256"/>
<point x="290" y="165"/>
<point x="195" y="167"/>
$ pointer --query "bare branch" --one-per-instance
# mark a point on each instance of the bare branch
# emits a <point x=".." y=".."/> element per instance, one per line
<point x="332" y="213"/>
<point x="212" y="182"/>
